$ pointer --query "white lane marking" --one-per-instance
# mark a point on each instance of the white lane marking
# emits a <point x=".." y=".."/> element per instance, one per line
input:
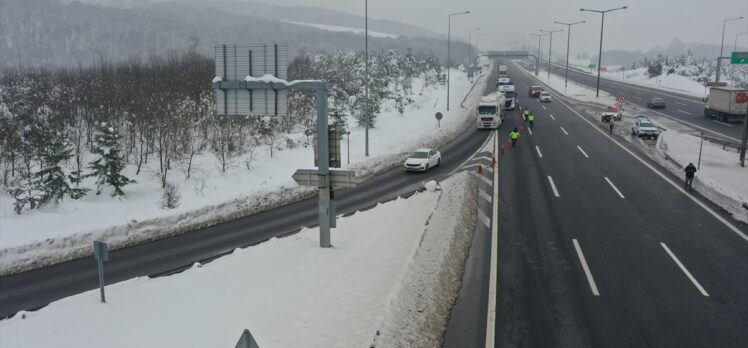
<point x="584" y="153"/>
<point x="614" y="187"/>
<point x="586" y="268"/>
<point x="553" y="186"/>
<point x="677" y="186"/>
<point x="679" y="103"/>
<point x="722" y="123"/>
<point x="529" y="130"/>
<point x="491" y="313"/>
<point x="485" y="179"/>
<point x="484" y="195"/>
<point x="683" y="268"/>
<point x="539" y="153"/>
<point x="637" y="98"/>
<point x="482" y="157"/>
<point x="551" y="115"/>
<point x="564" y="130"/>
<point x="684" y="112"/>
<point x="484" y="219"/>
<point x="479" y="150"/>
<point x="544" y="107"/>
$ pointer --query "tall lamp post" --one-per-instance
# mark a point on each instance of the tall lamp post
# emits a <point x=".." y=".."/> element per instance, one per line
<point x="568" y="40"/>
<point x="719" y="59"/>
<point x="477" y="41"/>
<point x="449" y="47"/>
<point x="537" y="59"/>
<point x="366" y="81"/>
<point x="550" y="49"/>
<point x="600" y="53"/>
<point x="470" y="48"/>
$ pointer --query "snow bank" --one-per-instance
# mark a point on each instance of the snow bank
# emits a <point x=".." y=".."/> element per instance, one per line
<point x="720" y="179"/>
<point x="419" y="313"/>
<point x="287" y="291"/>
<point x="49" y="236"/>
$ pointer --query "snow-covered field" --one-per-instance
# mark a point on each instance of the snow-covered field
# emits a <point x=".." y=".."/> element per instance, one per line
<point x="338" y="297"/>
<point x="720" y="177"/>
<point x="342" y="29"/>
<point x="56" y="233"/>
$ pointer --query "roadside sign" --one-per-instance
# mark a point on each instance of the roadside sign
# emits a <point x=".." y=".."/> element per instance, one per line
<point x="439" y="116"/>
<point x="246" y="341"/>
<point x="741" y="98"/>
<point x="621" y="99"/>
<point x="338" y="178"/>
<point x="739" y="58"/>
<point x="100" y="251"/>
<point x="591" y="66"/>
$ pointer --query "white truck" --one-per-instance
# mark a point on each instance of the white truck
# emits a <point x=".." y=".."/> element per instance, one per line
<point x="509" y="95"/>
<point x="502" y="70"/>
<point x="491" y="111"/>
<point x="722" y="103"/>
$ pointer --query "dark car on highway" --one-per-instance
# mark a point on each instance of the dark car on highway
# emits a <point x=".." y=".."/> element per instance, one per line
<point x="656" y="103"/>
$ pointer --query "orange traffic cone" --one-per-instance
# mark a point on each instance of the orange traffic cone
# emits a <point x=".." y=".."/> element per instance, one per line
<point x="509" y="144"/>
<point x="493" y="159"/>
<point x="501" y="149"/>
<point x="521" y="129"/>
<point x="480" y="169"/>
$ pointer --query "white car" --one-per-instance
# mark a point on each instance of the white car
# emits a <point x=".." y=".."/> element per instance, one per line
<point x="643" y="127"/>
<point x="422" y="160"/>
<point x="544" y="97"/>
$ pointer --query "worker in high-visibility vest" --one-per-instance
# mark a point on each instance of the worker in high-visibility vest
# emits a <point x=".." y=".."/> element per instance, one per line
<point x="526" y="113"/>
<point x="514" y="135"/>
<point x="530" y="119"/>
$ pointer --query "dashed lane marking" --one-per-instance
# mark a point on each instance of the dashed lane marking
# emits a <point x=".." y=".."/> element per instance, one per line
<point x="551" y="115"/>
<point x="614" y="187"/>
<point x="540" y="154"/>
<point x="483" y="218"/>
<point x="586" y="268"/>
<point x="582" y="151"/>
<point x="553" y="186"/>
<point x="684" y="112"/>
<point x="484" y="195"/>
<point x="564" y="130"/>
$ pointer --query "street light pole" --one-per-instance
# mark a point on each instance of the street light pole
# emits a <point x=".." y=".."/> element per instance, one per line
<point x="719" y="59"/>
<point x="470" y="47"/>
<point x="550" y="49"/>
<point x="600" y="53"/>
<point x="366" y="39"/>
<point x="537" y="50"/>
<point x="449" y="42"/>
<point x="568" y="40"/>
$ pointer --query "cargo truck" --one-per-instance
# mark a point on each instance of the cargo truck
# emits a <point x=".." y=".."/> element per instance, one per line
<point x="723" y="104"/>
<point x="491" y="111"/>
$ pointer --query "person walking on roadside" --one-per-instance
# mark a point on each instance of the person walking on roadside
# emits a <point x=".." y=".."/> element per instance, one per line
<point x="531" y="119"/>
<point x="611" y="126"/>
<point x="690" y="172"/>
<point x="526" y="113"/>
<point x="514" y="135"/>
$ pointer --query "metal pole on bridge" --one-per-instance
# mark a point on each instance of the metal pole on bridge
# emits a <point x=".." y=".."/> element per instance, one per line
<point x="600" y="53"/>
<point x="568" y="40"/>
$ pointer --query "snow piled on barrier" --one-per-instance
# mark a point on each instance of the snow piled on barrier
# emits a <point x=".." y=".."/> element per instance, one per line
<point x="419" y="312"/>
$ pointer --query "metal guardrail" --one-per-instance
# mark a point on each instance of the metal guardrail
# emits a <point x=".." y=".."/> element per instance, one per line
<point x="725" y="143"/>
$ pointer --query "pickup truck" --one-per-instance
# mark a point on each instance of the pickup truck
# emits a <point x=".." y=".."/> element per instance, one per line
<point x="535" y="91"/>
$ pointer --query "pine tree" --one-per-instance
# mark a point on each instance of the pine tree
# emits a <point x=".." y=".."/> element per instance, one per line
<point x="107" y="168"/>
<point x="52" y="152"/>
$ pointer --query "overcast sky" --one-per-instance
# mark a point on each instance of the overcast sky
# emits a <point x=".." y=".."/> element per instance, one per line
<point x="646" y="23"/>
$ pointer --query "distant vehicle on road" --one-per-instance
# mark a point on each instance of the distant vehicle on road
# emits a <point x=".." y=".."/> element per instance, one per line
<point x="644" y="128"/>
<point x="503" y="69"/>
<point x="722" y="104"/>
<point x="613" y="112"/>
<point x="491" y="111"/>
<point x="502" y="81"/>
<point x="656" y="103"/>
<point x="545" y="97"/>
<point x="510" y="96"/>
<point x="422" y="160"/>
<point x="535" y="91"/>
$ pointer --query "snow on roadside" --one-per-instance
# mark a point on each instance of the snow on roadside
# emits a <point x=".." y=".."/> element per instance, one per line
<point x="62" y="233"/>
<point x="574" y="90"/>
<point x="336" y="297"/>
<point x="419" y="313"/>
<point x="720" y="178"/>
<point x="342" y="29"/>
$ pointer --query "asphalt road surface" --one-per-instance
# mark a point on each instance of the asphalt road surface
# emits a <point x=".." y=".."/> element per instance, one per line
<point x="34" y="289"/>
<point x="683" y="108"/>
<point x="599" y="247"/>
